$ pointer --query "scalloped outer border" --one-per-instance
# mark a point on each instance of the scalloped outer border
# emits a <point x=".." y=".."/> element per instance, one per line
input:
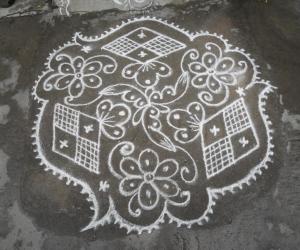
<point x="214" y="194"/>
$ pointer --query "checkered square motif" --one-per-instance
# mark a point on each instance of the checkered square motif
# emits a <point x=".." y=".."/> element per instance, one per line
<point x="236" y="142"/>
<point x="121" y="46"/>
<point x="70" y="142"/>
<point x="163" y="45"/>
<point x="236" y="117"/>
<point x="143" y="40"/>
<point x="218" y="156"/>
<point x="87" y="154"/>
<point x="66" y="119"/>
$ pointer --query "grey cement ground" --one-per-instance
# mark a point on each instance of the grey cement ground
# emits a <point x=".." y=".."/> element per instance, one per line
<point x="37" y="211"/>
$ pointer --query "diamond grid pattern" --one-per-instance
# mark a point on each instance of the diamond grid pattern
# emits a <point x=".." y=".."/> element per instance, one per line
<point x="86" y="151"/>
<point x="121" y="46"/>
<point x="236" y="117"/>
<point x="66" y="119"/>
<point x="218" y="156"/>
<point x="87" y="154"/>
<point x="163" y="45"/>
<point x="160" y="45"/>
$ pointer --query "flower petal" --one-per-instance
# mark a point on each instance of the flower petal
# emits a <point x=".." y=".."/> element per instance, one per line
<point x="209" y="60"/>
<point x="66" y="68"/>
<point x="225" y="65"/>
<point x="113" y="132"/>
<point x="197" y="68"/>
<point x="148" y="196"/>
<point x="166" y="169"/>
<point x="76" y="88"/>
<point x="92" y="81"/>
<point x="137" y="117"/>
<point x="148" y="160"/>
<point x="166" y="187"/>
<point x="64" y="82"/>
<point x="129" y="186"/>
<point x="130" y="166"/>
<point x="179" y="118"/>
<point x="227" y="79"/>
<point x="78" y="63"/>
<point x="199" y="81"/>
<point x="103" y="109"/>
<point x="161" y="68"/>
<point x="92" y="68"/>
<point x="214" y="85"/>
<point x="119" y="114"/>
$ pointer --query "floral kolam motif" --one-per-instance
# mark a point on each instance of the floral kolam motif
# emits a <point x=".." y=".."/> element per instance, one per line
<point x="154" y="123"/>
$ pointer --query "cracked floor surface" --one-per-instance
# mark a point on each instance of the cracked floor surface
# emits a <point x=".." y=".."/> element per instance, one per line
<point x="38" y="211"/>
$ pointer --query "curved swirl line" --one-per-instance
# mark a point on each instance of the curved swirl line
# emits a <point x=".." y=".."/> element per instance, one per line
<point x="127" y="148"/>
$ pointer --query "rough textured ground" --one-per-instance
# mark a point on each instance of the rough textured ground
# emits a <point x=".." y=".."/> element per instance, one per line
<point x="38" y="211"/>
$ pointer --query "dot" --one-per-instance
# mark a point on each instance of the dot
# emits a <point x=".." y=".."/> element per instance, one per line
<point x="176" y="116"/>
<point x="185" y="135"/>
<point x="165" y="169"/>
<point x="148" y="194"/>
<point x="162" y="68"/>
<point x="147" y="81"/>
<point x="155" y="124"/>
<point x="122" y="113"/>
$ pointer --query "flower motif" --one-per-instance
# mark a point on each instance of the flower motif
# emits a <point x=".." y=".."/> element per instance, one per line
<point x="76" y="74"/>
<point x="148" y="179"/>
<point x="214" y="70"/>
<point x="187" y="122"/>
<point x="147" y="74"/>
<point x="112" y="118"/>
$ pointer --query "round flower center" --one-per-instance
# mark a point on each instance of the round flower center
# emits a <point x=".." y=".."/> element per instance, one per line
<point x="78" y="75"/>
<point x="211" y="71"/>
<point x="149" y="177"/>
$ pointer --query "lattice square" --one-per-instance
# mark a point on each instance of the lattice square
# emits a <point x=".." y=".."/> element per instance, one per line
<point x="87" y="154"/>
<point x="163" y="45"/>
<point x="121" y="46"/>
<point x="218" y="156"/>
<point x="236" y="117"/>
<point x="66" y="119"/>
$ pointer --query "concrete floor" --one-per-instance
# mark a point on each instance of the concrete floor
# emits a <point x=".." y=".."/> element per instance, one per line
<point x="38" y="211"/>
